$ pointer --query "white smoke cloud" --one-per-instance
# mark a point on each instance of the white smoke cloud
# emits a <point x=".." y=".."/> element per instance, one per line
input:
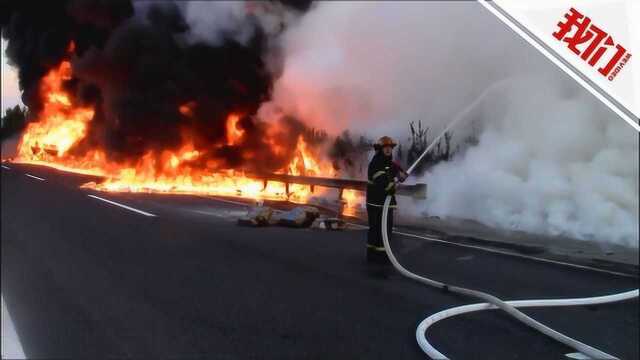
<point x="379" y="65"/>
<point x="550" y="159"/>
<point x="212" y="21"/>
<point x="545" y="163"/>
<point x="11" y="94"/>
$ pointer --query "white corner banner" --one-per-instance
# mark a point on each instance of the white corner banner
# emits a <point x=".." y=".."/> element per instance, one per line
<point x="596" y="42"/>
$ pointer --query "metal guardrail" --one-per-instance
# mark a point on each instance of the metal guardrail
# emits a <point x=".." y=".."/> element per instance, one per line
<point x="417" y="191"/>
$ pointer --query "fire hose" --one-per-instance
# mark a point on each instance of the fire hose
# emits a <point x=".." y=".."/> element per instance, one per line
<point x="490" y="301"/>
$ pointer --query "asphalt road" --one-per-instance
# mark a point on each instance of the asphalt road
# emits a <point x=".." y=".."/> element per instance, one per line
<point x="83" y="278"/>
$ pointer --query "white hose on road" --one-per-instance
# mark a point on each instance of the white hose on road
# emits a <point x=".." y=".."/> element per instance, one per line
<point x="421" y="330"/>
<point x="493" y="302"/>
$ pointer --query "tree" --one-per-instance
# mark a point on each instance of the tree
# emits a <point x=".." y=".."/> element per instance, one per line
<point x="14" y="120"/>
<point x="447" y="150"/>
<point x="420" y="141"/>
<point x="349" y="155"/>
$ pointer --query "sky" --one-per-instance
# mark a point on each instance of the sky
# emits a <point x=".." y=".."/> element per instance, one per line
<point x="10" y="90"/>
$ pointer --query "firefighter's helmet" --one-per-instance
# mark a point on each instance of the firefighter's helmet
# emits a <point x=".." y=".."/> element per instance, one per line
<point x="384" y="141"/>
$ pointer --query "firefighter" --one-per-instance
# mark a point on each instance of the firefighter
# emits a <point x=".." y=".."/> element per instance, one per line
<point x="382" y="176"/>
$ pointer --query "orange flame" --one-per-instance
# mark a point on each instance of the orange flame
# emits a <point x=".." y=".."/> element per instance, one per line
<point x="61" y="125"/>
<point x="65" y="124"/>
<point x="233" y="133"/>
<point x="187" y="109"/>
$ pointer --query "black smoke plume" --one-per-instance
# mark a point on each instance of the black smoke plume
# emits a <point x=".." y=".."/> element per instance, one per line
<point x="137" y="69"/>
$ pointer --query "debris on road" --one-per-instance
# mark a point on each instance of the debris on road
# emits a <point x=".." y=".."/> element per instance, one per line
<point x="257" y="216"/>
<point x="300" y="217"/>
<point x="333" y="224"/>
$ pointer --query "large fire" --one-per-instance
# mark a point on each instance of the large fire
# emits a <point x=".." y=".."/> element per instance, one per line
<point x="61" y="125"/>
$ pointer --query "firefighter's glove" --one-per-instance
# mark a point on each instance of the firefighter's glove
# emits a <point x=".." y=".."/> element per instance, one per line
<point x="391" y="188"/>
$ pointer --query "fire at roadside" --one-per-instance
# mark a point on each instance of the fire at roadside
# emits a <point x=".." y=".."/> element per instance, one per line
<point x="131" y="102"/>
<point x="56" y="139"/>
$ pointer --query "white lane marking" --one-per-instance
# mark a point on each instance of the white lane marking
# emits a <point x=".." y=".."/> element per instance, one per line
<point x="582" y="267"/>
<point x="122" y="206"/>
<point x="6" y="167"/>
<point x="226" y="214"/>
<point x="577" y="355"/>
<point x="225" y="201"/>
<point x="11" y="346"/>
<point x="35" y="177"/>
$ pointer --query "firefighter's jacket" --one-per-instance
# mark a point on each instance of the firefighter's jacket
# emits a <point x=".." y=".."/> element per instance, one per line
<point x="381" y="173"/>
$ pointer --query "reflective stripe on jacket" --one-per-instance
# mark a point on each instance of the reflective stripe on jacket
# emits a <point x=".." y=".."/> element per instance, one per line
<point x="380" y="177"/>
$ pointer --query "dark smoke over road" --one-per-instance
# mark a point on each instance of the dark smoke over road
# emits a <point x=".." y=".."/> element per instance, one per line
<point x="137" y="64"/>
